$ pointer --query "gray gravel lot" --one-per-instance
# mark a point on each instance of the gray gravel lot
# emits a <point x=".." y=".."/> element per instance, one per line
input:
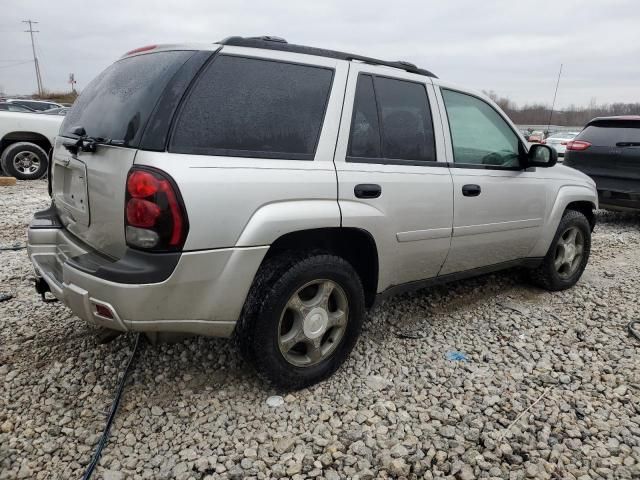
<point x="551" y="388"/>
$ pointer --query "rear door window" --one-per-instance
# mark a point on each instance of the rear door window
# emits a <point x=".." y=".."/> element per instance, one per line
<point x="117" y="104"/>
<point x="365" y="124"/>
<point x="254" y="108"/>
<point x="391" y="122"/>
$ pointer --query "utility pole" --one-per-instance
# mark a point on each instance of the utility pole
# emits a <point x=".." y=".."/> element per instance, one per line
<point x="35" y="58"/>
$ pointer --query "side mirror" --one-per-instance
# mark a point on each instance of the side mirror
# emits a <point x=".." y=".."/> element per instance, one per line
<point x="541" y="156"/>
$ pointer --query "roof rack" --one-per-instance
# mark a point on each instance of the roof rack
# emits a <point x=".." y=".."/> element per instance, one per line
<point x="280" y="44"/>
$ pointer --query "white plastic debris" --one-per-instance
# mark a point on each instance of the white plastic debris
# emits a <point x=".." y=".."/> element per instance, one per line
<point x="275" y="401"/>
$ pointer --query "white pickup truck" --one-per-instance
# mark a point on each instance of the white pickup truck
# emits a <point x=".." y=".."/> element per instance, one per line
<point x="25" y="142"/>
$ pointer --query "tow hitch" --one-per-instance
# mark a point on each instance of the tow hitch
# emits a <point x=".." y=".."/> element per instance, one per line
<point x="42" y="287"/>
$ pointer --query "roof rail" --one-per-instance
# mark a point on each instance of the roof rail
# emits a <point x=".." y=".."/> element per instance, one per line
<point x="280" y="44"/>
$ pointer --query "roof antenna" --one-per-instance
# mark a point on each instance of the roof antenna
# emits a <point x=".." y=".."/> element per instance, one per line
<point x="554" y="99"/>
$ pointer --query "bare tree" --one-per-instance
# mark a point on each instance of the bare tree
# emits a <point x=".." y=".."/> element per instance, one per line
<point x="575" y="116"/>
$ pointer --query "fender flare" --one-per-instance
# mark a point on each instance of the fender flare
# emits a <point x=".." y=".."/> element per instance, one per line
<point x="567" y="194"/>
<point x="273" y="220"/>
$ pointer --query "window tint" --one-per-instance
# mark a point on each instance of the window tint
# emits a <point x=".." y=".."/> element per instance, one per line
<point x="609" y="134"/>
<point x="391" y="120"/>
<point x="117" y="104"/>
<point x="251" y="107"/>
<point x="407" y="131"/>
<point x="479" y="134"/>
<point x="365" y="126"/>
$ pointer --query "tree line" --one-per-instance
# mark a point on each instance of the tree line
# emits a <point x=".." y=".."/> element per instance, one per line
<point x="575" y="116"/>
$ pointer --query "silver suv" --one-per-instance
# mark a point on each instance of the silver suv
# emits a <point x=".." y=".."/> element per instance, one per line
<point x="273" y="192"/>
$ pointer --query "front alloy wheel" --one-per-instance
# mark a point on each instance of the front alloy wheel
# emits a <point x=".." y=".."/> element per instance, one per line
<point x="569" y="250"/>
<point x="568" y="254"/>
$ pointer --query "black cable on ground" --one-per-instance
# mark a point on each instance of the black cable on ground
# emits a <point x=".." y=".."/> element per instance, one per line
<point x="114" y="407"/>
<point x="633" y="328"/>
<point x="14" y="247"/>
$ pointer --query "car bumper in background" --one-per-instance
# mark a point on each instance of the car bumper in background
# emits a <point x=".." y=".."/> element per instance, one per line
<point x="613" y="200"/>
<point x="196" y="292"/>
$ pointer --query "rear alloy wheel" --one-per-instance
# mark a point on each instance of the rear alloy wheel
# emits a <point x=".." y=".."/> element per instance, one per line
<point x="313" y="323"/>
<point x="25" y="161"/>
<point x="301" y="319"/>
<point x="568" y="254"/>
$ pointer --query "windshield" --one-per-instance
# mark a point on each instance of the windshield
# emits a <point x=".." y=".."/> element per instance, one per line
<point x="117" y="104"/>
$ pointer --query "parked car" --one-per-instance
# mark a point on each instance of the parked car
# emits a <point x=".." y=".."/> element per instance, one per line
<point x="525" y="134"/>
<point x="55" y="111"/>
<point x="25" y="140"/>
<point x="12" y="107"/>
<point x="608" y="150"/>
<point x="536" y="137"/>
<point x="558" y="141"/>
<point x="37" y="105"/>
<point x="272" y="192"/>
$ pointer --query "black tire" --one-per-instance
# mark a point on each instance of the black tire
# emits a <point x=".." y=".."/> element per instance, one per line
<point x="258" y="331"/>
<point x="546" y="275"/>
<point x="10" y="159"/>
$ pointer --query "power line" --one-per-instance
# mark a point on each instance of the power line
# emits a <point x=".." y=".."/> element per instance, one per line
<point x="16" y="64"/>
<point x="31" y="31"/>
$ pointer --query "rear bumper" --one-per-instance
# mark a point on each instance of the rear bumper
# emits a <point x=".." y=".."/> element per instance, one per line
<point x="615" y="200"/>
<point x="203" y="293"/>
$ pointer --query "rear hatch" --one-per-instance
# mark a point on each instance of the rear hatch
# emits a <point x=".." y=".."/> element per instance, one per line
<point x="612" y="157"/>
<point x="88" y="187"/>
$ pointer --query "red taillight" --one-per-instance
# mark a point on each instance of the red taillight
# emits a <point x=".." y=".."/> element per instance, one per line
<point x="176" y="231"/>
<point x="139" y="50"/>
<point x="577" y="145"/>
<point x="141" y="184"/>
<point x="142" y="213"/>
<point x="155" y="218"/>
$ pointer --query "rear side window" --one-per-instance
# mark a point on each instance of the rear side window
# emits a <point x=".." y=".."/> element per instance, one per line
<point x="365" y="124"/>
<point x="254" y="108"/>
<point x="391" y="121"/>
<point x="117" y="104"/>
<point x="610" y="134"/>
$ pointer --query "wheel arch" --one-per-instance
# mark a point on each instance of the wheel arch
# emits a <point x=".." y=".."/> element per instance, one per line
<point x="355" y="245"/>
<point x="581" y="198"/>
<point x="586" y="208"/>
<point x="25" y="136"/>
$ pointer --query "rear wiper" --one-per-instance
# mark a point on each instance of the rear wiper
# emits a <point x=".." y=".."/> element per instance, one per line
<point x="628" y="144"/>
<point x="86" y="143"/>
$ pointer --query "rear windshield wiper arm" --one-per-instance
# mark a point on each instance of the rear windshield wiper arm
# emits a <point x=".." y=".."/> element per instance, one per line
<point x="87" y="143"/>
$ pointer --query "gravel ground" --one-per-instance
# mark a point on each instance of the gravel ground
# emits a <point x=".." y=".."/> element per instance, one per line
<point x="551" y="388"/>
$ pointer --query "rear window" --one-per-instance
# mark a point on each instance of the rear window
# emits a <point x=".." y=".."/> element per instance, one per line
<point x="608" y="134"/>
<point x="254" y="108"/>
<point x="117" y="104"/>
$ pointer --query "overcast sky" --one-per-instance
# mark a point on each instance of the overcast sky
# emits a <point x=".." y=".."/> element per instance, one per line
<point x="512" y="47"/>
